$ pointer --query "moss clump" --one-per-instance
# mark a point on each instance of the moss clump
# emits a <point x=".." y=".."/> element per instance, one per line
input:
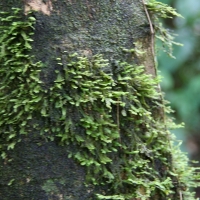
<point x="19" y="77"/>
<point x="159" y="11"/>
<point x="116" y="129"/>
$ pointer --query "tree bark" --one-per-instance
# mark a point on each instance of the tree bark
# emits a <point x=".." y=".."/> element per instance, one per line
<point x="40" y="169"/>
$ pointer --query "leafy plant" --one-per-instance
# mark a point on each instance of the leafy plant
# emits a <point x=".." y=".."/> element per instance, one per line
<point x="160" y="11"/>
<point x="19" y="77"/>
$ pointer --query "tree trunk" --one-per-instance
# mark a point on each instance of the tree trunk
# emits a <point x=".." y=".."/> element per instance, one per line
<point x="91" y="126"/>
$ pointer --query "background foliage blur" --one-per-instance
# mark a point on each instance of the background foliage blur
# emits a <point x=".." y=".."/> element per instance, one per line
<point x="181" y="82"/>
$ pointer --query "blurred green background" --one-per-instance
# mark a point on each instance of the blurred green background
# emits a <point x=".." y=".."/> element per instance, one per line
<point x="181" y="76"/>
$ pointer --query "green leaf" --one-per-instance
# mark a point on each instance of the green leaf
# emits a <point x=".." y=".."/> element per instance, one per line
<point x="104" y="159"/>
<point x="64" y="112"/>
<point x="90" y="146"/>
<point x="111" y="197"/>
<point x="44" y="112"/>
<point x="79" y="138"/>
<point x="11" y="182"/>
<point x="124" y="113"/>
<point x="11" y="146"/>
<point x="59" y="78"/>
<point x="3" y="155"/>
<point x="32" y="19"/>
<point x="23" y="123"/>
<point x="12" y="135"/>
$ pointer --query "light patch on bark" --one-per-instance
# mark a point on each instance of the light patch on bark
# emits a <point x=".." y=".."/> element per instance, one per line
<point x="147" y="58"/>
<point x="38" y="5"/>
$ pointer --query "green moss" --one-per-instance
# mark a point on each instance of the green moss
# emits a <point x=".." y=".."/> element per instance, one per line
<point x="108" y="112"/>
<point x="19" y="77"/>
<point x="158" y="11"/>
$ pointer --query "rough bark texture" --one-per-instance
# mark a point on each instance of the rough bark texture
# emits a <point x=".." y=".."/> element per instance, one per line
<point x="41" y="170"/>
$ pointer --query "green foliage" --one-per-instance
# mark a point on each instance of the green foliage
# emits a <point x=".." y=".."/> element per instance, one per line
<point x="114" y="109"/>
<point x="109" y="113"/>
<point x="162" y="11"/>
<point x="186" y="173"/>
<point x="19" y="77"/>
